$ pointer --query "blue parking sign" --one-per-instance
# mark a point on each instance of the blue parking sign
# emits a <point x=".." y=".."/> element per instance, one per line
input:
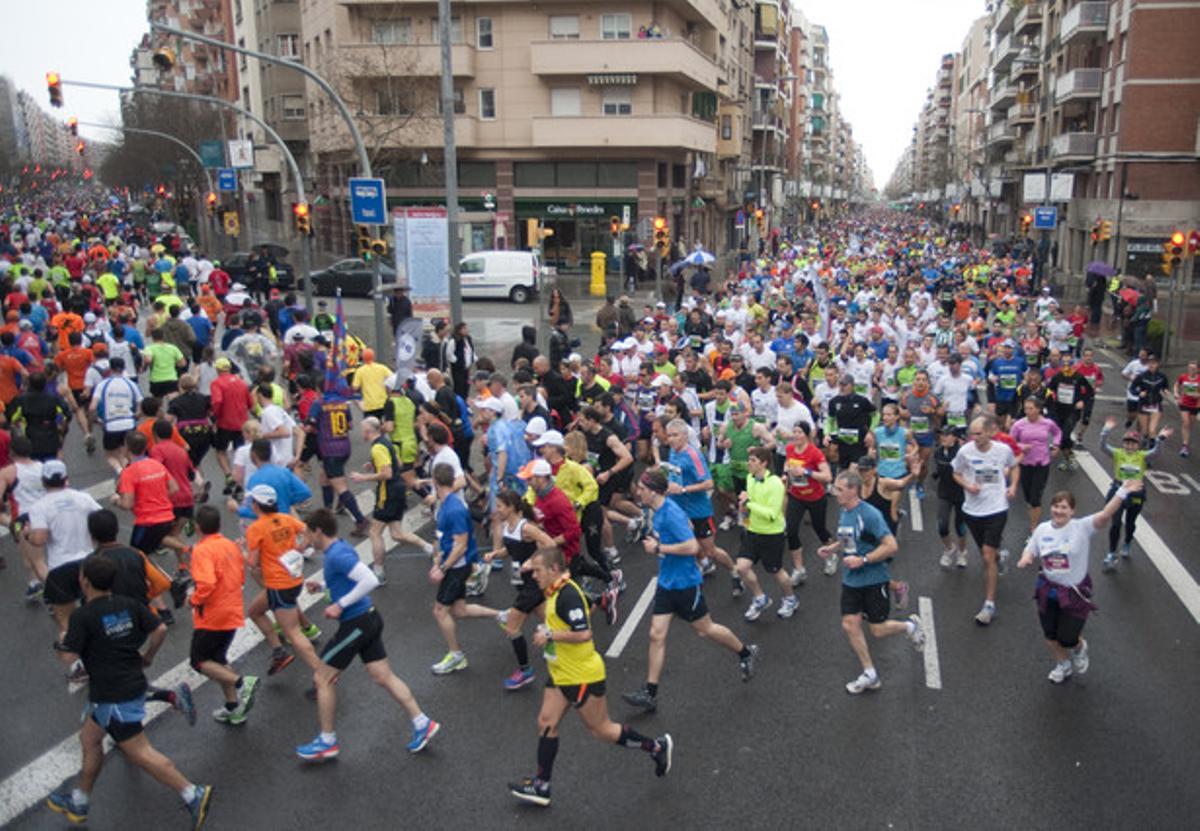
<point x="227" y="179"/>
<point x="1045" y="218"/>
<point x="368" y="206"/>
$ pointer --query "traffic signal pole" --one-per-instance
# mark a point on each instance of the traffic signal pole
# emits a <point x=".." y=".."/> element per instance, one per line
<point x="451" y="165"/>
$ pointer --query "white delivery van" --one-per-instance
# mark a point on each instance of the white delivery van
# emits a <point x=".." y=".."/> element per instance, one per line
<point x="496" y="274"/>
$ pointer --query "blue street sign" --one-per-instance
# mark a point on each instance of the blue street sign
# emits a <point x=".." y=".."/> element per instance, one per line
<point x="367" y="203"/>
<point x="740" y="220"/>
<point x="1045" y="218"/>
<point x="227" y="179"/>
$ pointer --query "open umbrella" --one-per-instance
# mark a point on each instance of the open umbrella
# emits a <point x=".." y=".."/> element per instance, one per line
<point x="699" y="257"/>
<point x="1101" y="268"/>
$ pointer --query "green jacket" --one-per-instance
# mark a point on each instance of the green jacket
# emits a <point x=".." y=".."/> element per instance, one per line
<point x="765" y="504"/>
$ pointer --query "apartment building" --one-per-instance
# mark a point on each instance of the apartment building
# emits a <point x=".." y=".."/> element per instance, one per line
<point x="201" y="69"/>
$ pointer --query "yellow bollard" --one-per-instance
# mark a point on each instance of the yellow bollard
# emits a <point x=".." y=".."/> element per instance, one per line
<point x="598" y="288"/>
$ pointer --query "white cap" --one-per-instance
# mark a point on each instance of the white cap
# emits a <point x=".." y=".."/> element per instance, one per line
<point x="551" y="437"/>
<point x="101" y="365"/>
<point x="575" y="358"/>
<point x="492" y="404"/>
<point x="660" y="381"/>
<point x="540" y="467"/>
<point x="89" y="318"/>
<point x="237" y="287"/>
<point x="536" y="426"/>
<point x="263" y="494"/>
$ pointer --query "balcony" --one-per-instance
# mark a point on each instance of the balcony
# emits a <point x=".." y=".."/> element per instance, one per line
<point x="673" y="58"/>
<point x="708" y="12"/>
<point x="1073" y="147"/>
<point x="1003" y="15"/>
<point x="1078" y="84"/>
<point x="1026" y="69"/>
<point x="376" y="60"/>
<point x="1021" y="114"/>
<point x="1000" y="133"/>
<point x="1084" y="20"/>
<point x="1006" y="49"/>
<point x="1029" y="18"/>
<point x="666" y="130"/>
<point x="1003" y="95"/>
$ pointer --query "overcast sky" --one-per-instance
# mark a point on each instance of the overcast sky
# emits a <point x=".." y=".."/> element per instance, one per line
<point x="885" y="55"/>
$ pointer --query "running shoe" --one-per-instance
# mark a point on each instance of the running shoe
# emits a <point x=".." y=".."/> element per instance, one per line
<point x="830" y="567"/>
<point x="451" y="662"/>
<point x="166" y="616"/>
<point x="519" y="678"/>
<point x="737" y="587"/>
<point x="531" y="790"/>
<point x="901" y="594"/>
<point x="787" y="607"/>
<point x="281" y="659"/>
<point x="198" y="806"/>
<point x="229" y="486"/>
<point x="62" y="802"/>
<point x="180" y="585"/>
<point x="757" y="606"/>
<point x="89" y="444"/>
<point x="726" y="522"/>
<point x="917" y="636"/>
<point x="421" y="737"/>
<point x="1060" y="673"/>
<point x="863" y="683"/>
<point x="641" y="699"/>
<point x="189" y="528"/>
<point x="77" y="674"/>
<point x="634" y="528"/>
<point x="182" y="701"/>
<point x="1125" y="549"/>
<point x="986" y="615"/>
<point x="1184" y="452"/>
<point x="947" y="558"/>
<point x="361" y="528"/>
<point x="317" y="750"/>
<point x="618" y="579"/>
<point x="747" y="664"/>
<point x="920" y="493"/>
<point x="33" y="592"/>
<point x="799" y="576"/>
<point x="1079" y="658"/>
<point x="1110" y="562"/>
<point x="205" y="493"/>
<point x="380" y="575"/>
<point x="1002" y="562"/>
<point x="612" y="596"/>
<point x="665" y="746"/>
<point x="961" y="560"/>
<point x="614" y="556"/>
<point x="312" y="631"/>
<point x="246" y="695"/>
<point x="707" y="566"/>
<point x="224" y="715"/>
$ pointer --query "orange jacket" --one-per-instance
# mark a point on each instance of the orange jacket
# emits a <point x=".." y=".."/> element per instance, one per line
<point x="219" y="573"/>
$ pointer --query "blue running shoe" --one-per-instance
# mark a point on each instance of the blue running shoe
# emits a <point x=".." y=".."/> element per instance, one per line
<point x="182" y="701"/>
<point x="61" y="802"/>
<point x="519" y="678"/>
<point x="421" y="737"/>
<point x="317" y="750"/>
<point x="920" y="493"/>
<point x="198" y="806"/>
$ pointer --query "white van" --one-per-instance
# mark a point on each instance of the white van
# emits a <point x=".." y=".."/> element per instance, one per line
<point x="496" y="274"/>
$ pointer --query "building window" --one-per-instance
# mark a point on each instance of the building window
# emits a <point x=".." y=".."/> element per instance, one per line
<point x="616" y="174"/>
<point x="242" y="56"/>
<point x="726" y="128"/>
<point x="246" y="98"/>
<point x="392" y="102"/>
<point x="287" y="46"/>
<point x="564" y="101"/>
<point x="618" y="101"/>
<point x="460" y="102"/>
<point x="392" y="31"/>
<point x="293" y="106"/>
<point x="487" y="104"/>
<point x="483" y="33"/>
<point x="533" y="174"/>
<point x="616" y="26"/>
<point x="477" y="174"/>
<point x="456" y="34"/>
<point x="575" y="175"/>
<point x="564" y="27"/>
<point x="237" y="11"/>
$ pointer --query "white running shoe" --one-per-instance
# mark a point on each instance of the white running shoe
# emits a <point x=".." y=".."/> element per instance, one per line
<point x="947" y="558"/>
<point x="1079" y="658"/>
<point x="1060" y="673"/>
<point x="757" y="606"/>
<point x="787" y="606"/>
<point x="799" y="576"/>
<point x="961" y="559"/>
<point x="986" y="615"/>
<point x="863" y="683"/>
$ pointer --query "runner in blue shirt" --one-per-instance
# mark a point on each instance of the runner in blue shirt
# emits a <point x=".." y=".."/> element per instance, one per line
<point x="866" y="544"/>
<point x="679" y="591"/>
<point x="360" y="632"/>
<point x="1004" y="374"/>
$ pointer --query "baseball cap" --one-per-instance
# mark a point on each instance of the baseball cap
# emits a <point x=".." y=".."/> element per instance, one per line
<point x="101" y="365"/>
<point x="262" y="494"/>
<point x="551" y="437"/>
<point x="53" y="470"/>
<point x="237" y="287"/>
<point x="492" y="404"/>
<point x="223" y="364"/>
<point x="536" y="426"/>
<point x="538" y="467"/>
<point x="660" y="381"/>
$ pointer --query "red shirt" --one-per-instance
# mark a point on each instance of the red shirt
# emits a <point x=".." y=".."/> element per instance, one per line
<point x="557" y="518"/>
<point x="1005" y="438"/>
<point x="147" y="480"/>
<point x="230" y="401"/>
<point x="177" y="462"/>
<point x="804" y="488"/>
<point x="1185" y="380"/>
<point x="1093" y="373"/>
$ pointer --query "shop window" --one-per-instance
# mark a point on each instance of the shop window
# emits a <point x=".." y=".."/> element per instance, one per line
<point x="575" y="174"/>
<point x="533" y="174"/>
<point x="616" y="26"/>
<point x="616" y="175"/>
<point x="564" y="101"/>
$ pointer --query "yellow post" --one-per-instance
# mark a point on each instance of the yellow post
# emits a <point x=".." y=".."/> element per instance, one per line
<point x="598" y="289"/>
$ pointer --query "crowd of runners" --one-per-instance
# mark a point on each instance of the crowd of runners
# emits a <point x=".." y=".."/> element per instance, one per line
<point x="861" y="360"/>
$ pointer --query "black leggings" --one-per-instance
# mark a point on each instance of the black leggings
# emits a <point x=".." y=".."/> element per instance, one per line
<point x="1065" y="418"/>
<point x="1059" y="626"/>
<point x="1129" y="512"/>
<point x="794" y="516"/>
<point x="592" y="523"/>
<point x="945" y="508"/>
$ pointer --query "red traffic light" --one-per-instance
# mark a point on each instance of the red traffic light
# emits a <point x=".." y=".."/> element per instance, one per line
<point x="54" y="83"/>
<point x="300" y="209"/>
<point x="211" y="198"/>
<point x="1027" y="219"/>
<point x="53" y="79"/>
<point x="1177" y="238"/>
<point x="79" y="148"/>
<point x="659" y="223"/>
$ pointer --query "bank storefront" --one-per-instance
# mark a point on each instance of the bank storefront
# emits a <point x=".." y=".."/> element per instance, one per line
<point x="579" y="227"/>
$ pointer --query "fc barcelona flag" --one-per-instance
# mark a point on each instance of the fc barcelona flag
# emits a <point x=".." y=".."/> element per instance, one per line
<point x="335" y="365"/>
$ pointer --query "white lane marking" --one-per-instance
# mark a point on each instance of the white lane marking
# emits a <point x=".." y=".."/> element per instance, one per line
<point x="1157" y="551"/>
<point x="1119" y="398"/>
<point x="99" y="491"/>
<point x="631" y="622"/>
<point x="933" y="666"/>
<point x="914" y="511"/>
<point x="31" y="784"/>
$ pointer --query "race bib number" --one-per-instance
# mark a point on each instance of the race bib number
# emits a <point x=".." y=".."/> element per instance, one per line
<point x="846" y="537"/>
<point x="919" y="424"/>
<point x="1127" y="472"/>
<point x="1191" y="389"/>
<point x="1008" y="382"/>
<point x="861" y="389"/>
<point x="293" y="561"/>
<point x="847" y="435"/>
<point x="987" y="475"/>
<point x="1066" y="395"/>
<point x="889" y="452"/>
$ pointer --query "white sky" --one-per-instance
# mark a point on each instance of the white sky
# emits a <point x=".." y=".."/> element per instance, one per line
<point x="884" y="54"/>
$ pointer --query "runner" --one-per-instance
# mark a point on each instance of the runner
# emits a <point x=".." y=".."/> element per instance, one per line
<point x="115" y="402"/>
<point x="679" y="591"/>
<point x="762" y="504"/>
<point x="1039" y="439"/>
<point x="1187" y="396"/>
<point x="330" y="419"/>
<point x="230" y="401"/>
<point x="391" y="498"/>
<point x="360" y="633"/>
<point x="577" y="680"/>
<point x="808" y="474"/>
<point x="950" y="499"/>
<point x="21" y="479"/>
<point x="1130" y="462"/>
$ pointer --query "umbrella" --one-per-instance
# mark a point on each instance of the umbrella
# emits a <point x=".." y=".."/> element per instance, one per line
<point x="636" y="246"/>
<point x="1101" y="268"/>
<point x="699" y="257"/>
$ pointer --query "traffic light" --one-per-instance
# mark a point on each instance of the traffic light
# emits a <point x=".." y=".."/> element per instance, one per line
<point x="957" y="207"/>
<point x="79" y="147"/>
<point x="760" y="219"/>
<point x="211" y="202"/>
<point x="73" y="125"/>
<point x="614" y="226"/>
<point x="364" y="242"/>
<point x="1097" y="227"/>
<point x="662" y="235"/>
<point x="379" y="247"/>
<point x="1026" y="222"/>
<point x="300" y="211"/>
<point x="163" y="58"/>
<point x="54" y="83"/>
<point x="1105" y="230"/>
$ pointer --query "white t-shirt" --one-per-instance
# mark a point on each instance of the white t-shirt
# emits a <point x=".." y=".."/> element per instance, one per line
<point x="64" y="514"/>
<point x="986" y="468"/>
<point x="446" y="456"/>
<point x="117" y="403"/>
<point x="1058" y="334"/>
<point x="786" y="420"/>
<point x="243" y="459"/>
<point x="273" y="417"/>
<point x="1064" y="551"/>
<point x="952" y="391"/>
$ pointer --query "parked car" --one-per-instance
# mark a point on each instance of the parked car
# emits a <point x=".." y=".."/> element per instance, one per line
<point x="355" y="277"/>
<point x="500" y="274"/>
<point x="235" y="266"/>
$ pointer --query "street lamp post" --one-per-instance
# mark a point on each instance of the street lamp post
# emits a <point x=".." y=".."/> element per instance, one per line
<point x="364" y="162"/>
<point x="450" y="162"/>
